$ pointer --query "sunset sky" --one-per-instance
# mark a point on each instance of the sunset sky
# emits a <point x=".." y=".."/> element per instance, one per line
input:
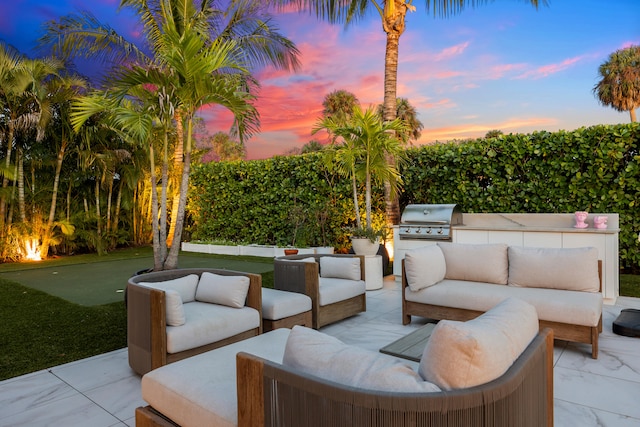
<point x="500" y="66"/>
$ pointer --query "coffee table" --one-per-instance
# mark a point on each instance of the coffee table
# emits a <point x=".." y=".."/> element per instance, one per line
<point x="410" y="346"/>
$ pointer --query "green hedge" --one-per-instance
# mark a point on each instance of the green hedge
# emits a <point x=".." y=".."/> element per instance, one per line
<point x="594" y="169"/>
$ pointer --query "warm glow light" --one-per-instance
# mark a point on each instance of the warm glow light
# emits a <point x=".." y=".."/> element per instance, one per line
<point x="33" y="252"/>
<point x="389" y="246"/>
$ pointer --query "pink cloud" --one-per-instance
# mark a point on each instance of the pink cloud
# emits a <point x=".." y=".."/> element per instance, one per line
<point x="474" y="130"/>
<point x="547" y="70"/>
<point x="450" y="52"/>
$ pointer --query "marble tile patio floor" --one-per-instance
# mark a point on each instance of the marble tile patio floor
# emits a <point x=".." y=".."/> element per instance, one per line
<point x="103" y="391"/>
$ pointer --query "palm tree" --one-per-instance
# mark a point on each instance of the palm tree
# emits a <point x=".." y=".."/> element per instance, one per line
<point x="408" y="114"/>
<point x="197" y="58"/>
<point x="225" y="148"/>
<point x="366" y="143"/>
<point x="619" y="85"/>
<point x="339" y="104"/>
<point x="392" y="15"/>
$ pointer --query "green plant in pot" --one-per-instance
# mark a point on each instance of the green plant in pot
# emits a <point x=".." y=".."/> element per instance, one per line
<point x="360" y="148"/>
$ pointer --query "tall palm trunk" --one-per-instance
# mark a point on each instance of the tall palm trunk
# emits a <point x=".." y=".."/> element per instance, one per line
<point x="172" y="258"/>
<point x="393" y="25"/>
<point x="46" y="235"/>
<point x="5" y="179"/>
<point x="632" y="114"/>
<point x="98" y="218"/>
<point x="21" y="201"/>
<point x="178" y="167"/>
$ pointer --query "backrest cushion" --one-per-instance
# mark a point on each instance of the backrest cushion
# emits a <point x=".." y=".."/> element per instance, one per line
<point x="224" y="290"/>
<point x="486" y="263"/>
<point x="174" y="310"/>
<point x="574" y="269"/>
<point x="465" y="354"/>
<point x="186" y="286"/>
<point x="340" y="267"/>
<point x="424" y="267"/>
<point x="327" y="357"/>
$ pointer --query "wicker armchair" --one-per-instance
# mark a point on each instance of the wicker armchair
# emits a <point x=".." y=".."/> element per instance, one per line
<point x="303" y="277"/>
<point x="146" y="318"/>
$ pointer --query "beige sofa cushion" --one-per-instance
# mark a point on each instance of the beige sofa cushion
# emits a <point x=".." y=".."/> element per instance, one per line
<point x="572" y="307"/>
<point x="334" y="290"/>
<point x="174" y="309"/>
<point x="340" y="267"/>
<point x="186" y="286"/>
<point x="226" y="290"/>
<point x="424" y="267"/>
<point x="466" y="354"/>
<point x="476" y="263"/>
<point x="574" y="269"/>
<point x="329" y="358"/>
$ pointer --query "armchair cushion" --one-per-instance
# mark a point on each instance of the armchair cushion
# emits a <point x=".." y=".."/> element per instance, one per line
<point x="573" y="269"/>
<point x="424" y="267"/>
<point x="340" y="268"/>
<point x="335" y="290"/>
<point x="224" y="290"/>
<point x="175" y="311"/>
<point x="465" y="354"/>
<point x="186" y="286"/>
<point x="327" y="357"/>
<point x="486" y="263"/>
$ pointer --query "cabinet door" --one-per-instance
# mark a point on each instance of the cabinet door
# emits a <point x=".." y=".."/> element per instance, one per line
<point x="470" y="236"/>
<point x="511" y="238"/>
<point x="542" y="240"/>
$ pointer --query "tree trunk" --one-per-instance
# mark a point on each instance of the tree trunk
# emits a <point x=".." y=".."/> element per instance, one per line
<point x="116" y="213"/>
<point x="5" y="179"/>
<point x="99" y="218"/>
<point x="48" y="231"/>
<point x="632" y="114"/>
<point x="172" y="258"/>
<point x="393" y="25"/>
<point x="178" y="165"/>
<point x="354" y="183"/>
<point x="21" y="202"/>
<point x="158" y="260"/>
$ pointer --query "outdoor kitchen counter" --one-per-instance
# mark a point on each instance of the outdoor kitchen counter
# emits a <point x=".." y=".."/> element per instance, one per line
<point x="533" y="230"/>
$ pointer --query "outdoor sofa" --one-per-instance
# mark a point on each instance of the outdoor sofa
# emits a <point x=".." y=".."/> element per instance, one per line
<point x="334" y="282"/>
<point x="175" y="314"/>
<point x="503" y="376"/>
<point x="459" y="281"/>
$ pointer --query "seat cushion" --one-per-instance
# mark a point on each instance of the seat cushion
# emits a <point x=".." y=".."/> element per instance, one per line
<point x="574" y="269"/>
<point x="335" y="290"/>
<point x="477" y="263"/>
<point x="201" y="390"/>
<point x="226" y="290"/>
<point x="278" y="304"/>
<point x="329" y="358"/>
<point x="424" y="266"/>
<point x="207" y="323"/>
<point x="572" y="307"/>
<point x="466" y="354"/>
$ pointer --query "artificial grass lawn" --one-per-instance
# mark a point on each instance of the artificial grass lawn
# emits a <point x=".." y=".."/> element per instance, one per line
<point x="630" y="285"/>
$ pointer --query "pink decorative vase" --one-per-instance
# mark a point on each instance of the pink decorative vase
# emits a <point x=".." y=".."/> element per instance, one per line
<point x="600" y="221"/>
<point x="581" y="216"/>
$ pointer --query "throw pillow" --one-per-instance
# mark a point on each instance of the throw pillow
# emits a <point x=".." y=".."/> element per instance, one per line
<point x="340" y="267"/>
<point x="186" y="286"/>
<point x="486" y="263"/>
<point x="424" y="267"/>
<point x="329" y="358"/>
<point x="574" y="269"/>
<point x="466" y="354"/>
<point x="224" y="290"/>
<point x="175" y="311"/>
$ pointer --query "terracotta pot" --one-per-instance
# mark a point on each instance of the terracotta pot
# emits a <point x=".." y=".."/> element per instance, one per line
<point x="290" y="251"/>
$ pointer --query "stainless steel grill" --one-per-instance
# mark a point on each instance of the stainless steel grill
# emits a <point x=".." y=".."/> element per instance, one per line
<point x="429" y="222"/>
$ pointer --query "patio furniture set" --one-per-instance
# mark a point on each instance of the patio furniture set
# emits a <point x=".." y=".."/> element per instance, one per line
<point x="492" y="351"/>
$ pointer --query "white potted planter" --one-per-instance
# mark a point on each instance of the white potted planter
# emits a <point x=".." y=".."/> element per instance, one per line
<point x="364" y="246"/>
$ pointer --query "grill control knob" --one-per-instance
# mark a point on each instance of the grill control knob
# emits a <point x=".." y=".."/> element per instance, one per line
<point x="429" y="230"/>
<point x="440" y="231"/>
<point x="407" y="230"/>
<point x="418" y="230"/>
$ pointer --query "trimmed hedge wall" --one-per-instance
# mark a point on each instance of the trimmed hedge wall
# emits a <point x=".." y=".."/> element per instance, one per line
<point x="594" y="169"/>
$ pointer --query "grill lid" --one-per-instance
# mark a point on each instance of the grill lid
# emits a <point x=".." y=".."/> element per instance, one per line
<point x="444" y="215"/>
